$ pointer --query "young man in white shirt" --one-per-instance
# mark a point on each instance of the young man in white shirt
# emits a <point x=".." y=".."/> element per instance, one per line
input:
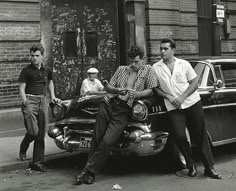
<point x="178" y="85"/>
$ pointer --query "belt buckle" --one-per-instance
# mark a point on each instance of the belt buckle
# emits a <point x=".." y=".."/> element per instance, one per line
<point x="37" y="96"/>
<point x="120" y="101"/>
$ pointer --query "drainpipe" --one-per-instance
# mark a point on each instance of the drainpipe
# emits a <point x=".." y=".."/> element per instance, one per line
<point x="216" y="38"/>
<point x="135" y="14"/>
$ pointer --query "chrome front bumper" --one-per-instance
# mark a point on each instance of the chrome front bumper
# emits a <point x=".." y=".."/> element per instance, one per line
<point x="150" y="144"/>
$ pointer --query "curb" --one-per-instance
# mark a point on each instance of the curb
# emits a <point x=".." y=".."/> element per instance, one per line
<point x="14" y="166"/>
<point x="19" y="165"/>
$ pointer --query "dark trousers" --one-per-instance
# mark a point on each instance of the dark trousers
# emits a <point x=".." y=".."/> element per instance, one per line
<point x="110" y="122"/>
<point x="35" y="113"/>
<point x="193" y="119"/>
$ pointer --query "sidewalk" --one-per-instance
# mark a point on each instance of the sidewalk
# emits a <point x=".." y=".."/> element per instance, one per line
<point x="11" y="119"/>
<point x="9" y="149"/>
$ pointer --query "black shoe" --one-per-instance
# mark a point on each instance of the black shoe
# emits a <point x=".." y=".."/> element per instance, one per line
<point x="90" y="178"/>
<point x="192" y="171"/>
<point x="211" y="172"/>
<point x="80" y="178"/>
<point x="38" y="167"/>
<point x="22" y="156"/>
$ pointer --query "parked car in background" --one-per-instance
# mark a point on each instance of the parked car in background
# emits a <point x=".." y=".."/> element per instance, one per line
<point x="146" y="134"/>
<point x="217" y="87"/>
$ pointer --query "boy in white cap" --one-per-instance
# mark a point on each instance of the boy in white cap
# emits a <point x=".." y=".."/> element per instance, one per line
<point x="91" y="85"/>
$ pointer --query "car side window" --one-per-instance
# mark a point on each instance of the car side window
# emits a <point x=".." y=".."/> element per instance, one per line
<point x="218" y="72"/>
<point x="210" y="81"/>
<point x="229" y="74"/>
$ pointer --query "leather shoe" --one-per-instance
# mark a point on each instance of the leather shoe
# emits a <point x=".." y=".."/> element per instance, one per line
<point x="22" y="156"/>
<point x="38" y="167"/>
<point x="90" y="178"/>
<point x="211" y="172"/>
<point x="80" y="178"/>
<point x="192" y="171"/>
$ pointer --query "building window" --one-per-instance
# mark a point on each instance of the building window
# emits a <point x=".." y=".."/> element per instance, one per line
<point x="70" y="46"/>
<point x="91" y="44"/>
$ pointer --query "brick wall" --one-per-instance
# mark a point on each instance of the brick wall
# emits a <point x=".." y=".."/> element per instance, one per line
<point x="178" y="19"/>
<point x="171" y="18"/>
<point x="228" y="43"/>
<point x="19" y="29"/>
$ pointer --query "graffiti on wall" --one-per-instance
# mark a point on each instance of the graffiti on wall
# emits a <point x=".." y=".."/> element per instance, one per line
<point x="72" y="59"/>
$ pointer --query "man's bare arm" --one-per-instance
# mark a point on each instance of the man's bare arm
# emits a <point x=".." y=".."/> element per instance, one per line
<point x="51" y="90"/>
<point x="136" y="94"/>
<point x="193" y="85"/>
<point x="111" y="89"/>
<point x="22" y="92"/>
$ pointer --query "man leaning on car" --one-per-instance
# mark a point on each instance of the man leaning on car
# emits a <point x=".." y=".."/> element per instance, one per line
<point x="128" y="83"/>
<point x="178" y="85"/>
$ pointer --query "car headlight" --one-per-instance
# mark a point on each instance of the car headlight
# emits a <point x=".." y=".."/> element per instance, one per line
<point x="140" y="111"/>
<point x="58" y="111"/>
<point x="55" y="132"/>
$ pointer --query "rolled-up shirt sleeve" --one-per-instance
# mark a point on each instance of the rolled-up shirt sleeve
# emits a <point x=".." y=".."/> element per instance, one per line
<point x="151" y="80"/>
<point x="22" y="78"/>
<point x="114" y="78"/>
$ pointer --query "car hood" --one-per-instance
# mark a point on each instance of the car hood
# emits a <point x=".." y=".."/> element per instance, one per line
<point x="83" y="110"/>
<point x="89" y="105"/>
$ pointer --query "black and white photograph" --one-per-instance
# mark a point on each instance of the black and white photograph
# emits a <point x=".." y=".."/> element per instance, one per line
<point x="132" y="95"/>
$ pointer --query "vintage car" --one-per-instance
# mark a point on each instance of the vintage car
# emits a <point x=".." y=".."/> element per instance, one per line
<point x="217" y="87"/>
<point x="146" y="134"/>
<point x="76" y="118"/>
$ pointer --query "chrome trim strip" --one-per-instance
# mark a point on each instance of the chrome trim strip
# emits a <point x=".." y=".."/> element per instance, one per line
<point x="225" y="90"/>
<point x="226" y="141"/>
<point x="206" y="92"/>
<point x="157" y="112"/>
<point x="222" y="90"/>
<point x="219" y="105"/>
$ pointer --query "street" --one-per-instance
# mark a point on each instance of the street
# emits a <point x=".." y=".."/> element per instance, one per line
<point x="131" y="173"/>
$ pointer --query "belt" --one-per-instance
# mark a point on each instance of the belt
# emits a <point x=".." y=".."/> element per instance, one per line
<point x="37" y="96"/>
<point x="118" y="100"/>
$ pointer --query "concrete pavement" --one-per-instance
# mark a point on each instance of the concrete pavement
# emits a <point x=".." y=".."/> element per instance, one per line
<point x="11" y="134"/>
<point x="9" y="157"/>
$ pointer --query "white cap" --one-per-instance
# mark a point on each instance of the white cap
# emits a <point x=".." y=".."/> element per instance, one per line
<point x="92" y="71"/>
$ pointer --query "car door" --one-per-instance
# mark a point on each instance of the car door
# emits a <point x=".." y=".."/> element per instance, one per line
<point x="226" y="100"/>
<point x="206" y="78"/>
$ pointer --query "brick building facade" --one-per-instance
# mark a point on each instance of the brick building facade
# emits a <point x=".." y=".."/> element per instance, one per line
<point x="180" y="19"/>
<point x="19" y="29"/>
<point x="23" y="23"/>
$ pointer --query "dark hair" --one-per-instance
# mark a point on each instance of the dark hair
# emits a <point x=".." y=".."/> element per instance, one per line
<point x="135" y="51"/>
<point x="170" y="41"/>
<point x="37" y="47"/>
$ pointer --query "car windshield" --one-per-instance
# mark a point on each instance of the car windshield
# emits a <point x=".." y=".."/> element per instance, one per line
<point x="204" y="74"/>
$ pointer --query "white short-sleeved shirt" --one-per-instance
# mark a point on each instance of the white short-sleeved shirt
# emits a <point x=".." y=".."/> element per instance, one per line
<point x="88" y="85"/>
<point x="176" y="83"/>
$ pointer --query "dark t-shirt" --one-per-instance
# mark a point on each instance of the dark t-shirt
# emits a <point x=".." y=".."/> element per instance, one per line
<point x="35" y="79"/>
